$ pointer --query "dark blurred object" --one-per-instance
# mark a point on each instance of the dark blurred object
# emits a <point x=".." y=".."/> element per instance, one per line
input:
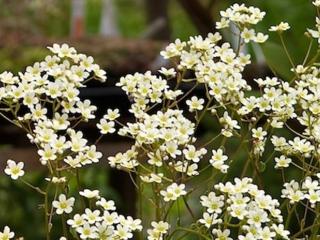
<point x="200" y="15"/>
<point x="158" y="19"/>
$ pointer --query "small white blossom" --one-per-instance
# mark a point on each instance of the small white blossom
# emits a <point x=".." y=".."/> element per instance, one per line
<point x="283" y="26"/>
<point x="6" y="234"/>
<point x="90" y="193"/>
<point x="63" y="205"/>
<point x="14" y="170"/>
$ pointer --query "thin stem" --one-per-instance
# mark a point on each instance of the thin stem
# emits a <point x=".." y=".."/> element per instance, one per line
<point x="79" y="188"/>
<point x="184" y="96"/>
<point x="287" y="52"/>
<point x="11" y="121"/>
<point x="305" y="230"/>
<point x="33" y="187"/>
<point x="308" y="52"/>
<point x="239" y="44"/>
<point x="188" y="207"/>
<point x="64" y="226"/>
<point x="190" y="231"/>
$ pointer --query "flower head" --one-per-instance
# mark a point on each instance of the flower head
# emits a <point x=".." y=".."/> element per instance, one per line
<point x="283" y="26"/>
<point x="6" y="234"/>
<point x="14" y="170"/>
<point x="63" y="205"/>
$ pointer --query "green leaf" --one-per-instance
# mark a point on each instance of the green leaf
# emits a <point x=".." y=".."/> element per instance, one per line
<point x="261" y="166"/>
<point x="277" y="60"/>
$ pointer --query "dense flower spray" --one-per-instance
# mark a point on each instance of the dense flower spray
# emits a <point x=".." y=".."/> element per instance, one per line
<point x="166" y="160"/>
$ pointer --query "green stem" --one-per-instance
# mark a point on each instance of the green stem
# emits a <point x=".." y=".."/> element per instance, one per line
<point x="287" y="52"/>
<point x="289" y="216"/>
<point x="64" y="226"/>
<point x="190" y="231"/>
<point x="33" y="187"/>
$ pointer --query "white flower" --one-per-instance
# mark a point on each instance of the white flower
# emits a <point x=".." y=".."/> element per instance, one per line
<point x="282" y="161"/>
<point x="279" y="229"/>
<point x="172" y="149"/>
<point x="92" y="154"/>
<point x="173" y="192"/>
<point x="195" y="104"/>
<point x="112" y="114"/>
<point x="267" y="234"/>
<point x="90" y="193"/>
<point x="260" y="38"/>
<point x="292" y="191"/>
<point x="248" y="35"/>
<point x="107" y="205"/>
<point x="209" y="219"/>
<point x="213" y="203"/>
<point x="6" y="234"/>
<point x="192" y="154"/>
<point x="62" y="51"/>
<point x="240" y="15"/>
<point x="106" y="126"/>
<point x="56" y="180"/>
<point x="63" y="205"/>
<point x="283" y="26"/>
<point x="228" y="122"/>
<point x="100" y="73"/>
<point x="316" y="3"/>
<point x="92" y="216"/>
<point x="86" y="231"/>
<point x="218" y="159"/>
<point x="160" y="227"/>
<point x="222" y="235"/>
<point x="168" y="72"/>
<point x="259" y="133"/>
<point x="123" y="232"/>
<point x="77" y="221"/>
<point x="47" y="153"/>
<point x="224" y="23"/>
<point x="14" y="170"/>
<point x="8" y="78"/>
<point x="314" y="33"/>
<point x="313" y="196"/>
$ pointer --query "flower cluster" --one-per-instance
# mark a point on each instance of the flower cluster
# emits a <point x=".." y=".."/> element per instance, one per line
<point x="218" y="160"/>
<point x="309" y="189"/>
<point x="106" y="124"/>
<point x="244" y="18"/>
<point x="258" y="140"/>
<point x="277" y="101"/>
<point x="246" y="207"/>
<point x="173" y="192"/>
<point x="45" y="102"/>
<point x="102" y="222"/>
<point x="159" y="229"/>
<point x="145" y="89"/>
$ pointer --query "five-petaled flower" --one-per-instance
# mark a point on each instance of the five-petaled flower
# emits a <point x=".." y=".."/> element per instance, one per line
<point x="14" y="170"/>
<point x="63" y="205"/>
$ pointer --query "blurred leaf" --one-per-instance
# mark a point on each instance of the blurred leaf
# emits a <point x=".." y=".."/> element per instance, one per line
<point x="93" y="15"/>
<point x="277" y="59"/>
<point x="261" y="166"/>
